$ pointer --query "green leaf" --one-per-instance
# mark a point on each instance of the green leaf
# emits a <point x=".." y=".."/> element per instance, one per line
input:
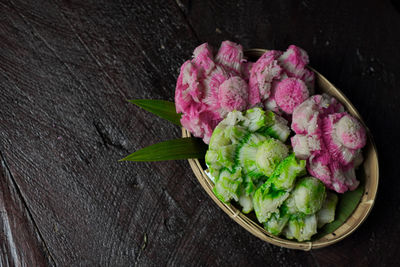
<point x="161" y="108"/>
<point x="182" y="148"/>
<point x="346" y="205"/>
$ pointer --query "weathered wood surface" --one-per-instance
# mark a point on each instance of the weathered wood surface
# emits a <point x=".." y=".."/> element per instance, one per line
<point x="66" y="68"/>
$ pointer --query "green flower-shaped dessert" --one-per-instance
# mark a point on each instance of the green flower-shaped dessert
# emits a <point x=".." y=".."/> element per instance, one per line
<point x="251" y="164"/>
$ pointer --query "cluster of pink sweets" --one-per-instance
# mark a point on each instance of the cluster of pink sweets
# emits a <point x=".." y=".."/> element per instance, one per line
<point x="331" y="141"/>
<point x="211" y="85"/>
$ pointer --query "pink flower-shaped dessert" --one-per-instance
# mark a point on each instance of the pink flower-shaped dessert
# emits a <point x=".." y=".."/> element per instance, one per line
<point x="211" y="85"/>
<point x="246" y="68"/>
<point x="233" y="95"/>
<point x="305" y="145"/>
<point x="270" y="70"/>
<point x="203" y="57"/>
<point x="350" y="132"/>
<point x="189" y="88"/>
<point x="201" y="124"/>
<point x="306" y="115"/>
<point x="197" y="94"/>
<point x="290" y="93"/>
<point x="230" y="55"/>
<point x="334" y="143"/>
<point x="263" y="72"/>
<point x="330" y="140"/>
<point x="294" y="61"/>
<point x="270" y="103"/>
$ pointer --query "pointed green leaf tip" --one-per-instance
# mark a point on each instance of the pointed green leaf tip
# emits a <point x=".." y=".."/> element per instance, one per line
<point x="182" y="148"/>
<point x="161" y="108"/>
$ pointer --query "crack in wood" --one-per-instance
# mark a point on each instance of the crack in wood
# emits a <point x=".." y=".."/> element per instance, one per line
<point x="7" y="172"/>
<point x="106" y="139"/>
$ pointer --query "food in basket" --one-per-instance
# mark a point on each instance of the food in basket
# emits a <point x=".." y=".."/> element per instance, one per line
<point x="243" y="110"/>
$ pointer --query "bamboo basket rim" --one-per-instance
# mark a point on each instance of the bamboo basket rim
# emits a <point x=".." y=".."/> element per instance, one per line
<point x="361" y="212"/>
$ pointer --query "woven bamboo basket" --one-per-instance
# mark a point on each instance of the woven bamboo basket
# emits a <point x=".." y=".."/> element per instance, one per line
<point x="370" y="173"/>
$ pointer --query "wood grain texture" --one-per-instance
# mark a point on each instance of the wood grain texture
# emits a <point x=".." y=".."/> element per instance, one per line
<point x="21" y="242"/>
<point x="66" y="69"/>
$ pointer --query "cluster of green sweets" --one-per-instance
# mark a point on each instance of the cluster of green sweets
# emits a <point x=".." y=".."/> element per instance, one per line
<point x="251" y="164"/>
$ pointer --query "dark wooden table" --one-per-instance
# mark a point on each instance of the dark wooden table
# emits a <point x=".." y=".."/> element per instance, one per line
<point x="66" y="69"/>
